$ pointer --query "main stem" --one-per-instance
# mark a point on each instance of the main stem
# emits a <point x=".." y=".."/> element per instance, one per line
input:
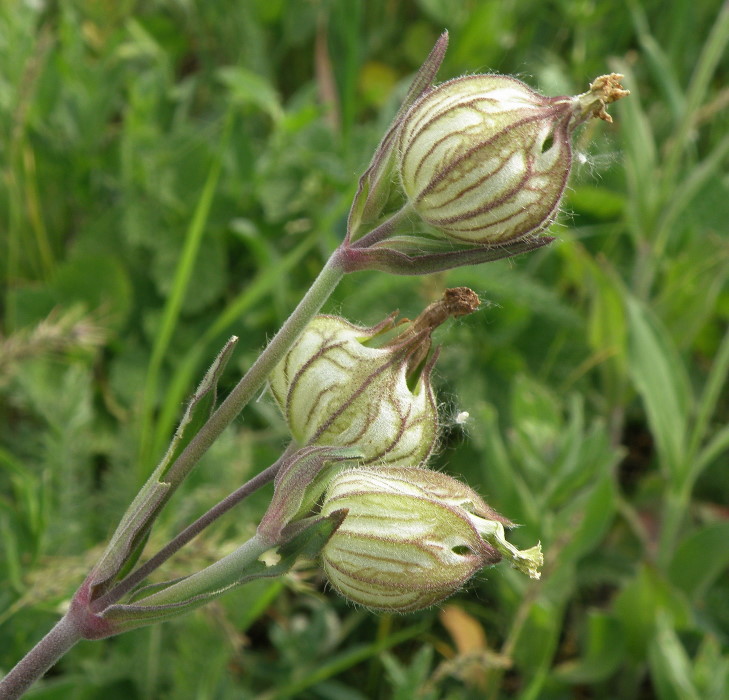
<point x="40" y="658"/>
<point x="256" y="376"/>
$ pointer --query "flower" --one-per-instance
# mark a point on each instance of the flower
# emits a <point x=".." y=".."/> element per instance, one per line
<point x="336" y="387"/>
<point x="411" y="537"/>
<point x="485" y="159"/>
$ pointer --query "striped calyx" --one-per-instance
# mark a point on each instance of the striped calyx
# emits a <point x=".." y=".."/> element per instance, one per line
<point x="411" y="537"/>
<point x="337" y="387"/>
<point x="485" y="158"/>
<point x="335" y="390"/>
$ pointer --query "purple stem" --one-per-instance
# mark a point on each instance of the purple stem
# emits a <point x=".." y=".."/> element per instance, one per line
<point x="382" y="231"/>
<point x="191" y="531"/>
<point x="40" y="658"/>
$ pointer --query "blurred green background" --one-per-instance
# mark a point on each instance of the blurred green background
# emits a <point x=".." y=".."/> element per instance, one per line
<point x="177" y="172"/>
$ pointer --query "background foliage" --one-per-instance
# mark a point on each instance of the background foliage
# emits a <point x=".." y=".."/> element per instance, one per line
<point x="176" y="171"/>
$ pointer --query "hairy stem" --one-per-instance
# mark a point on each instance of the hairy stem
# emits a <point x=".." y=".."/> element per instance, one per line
<point x="40" y="658"/>
<point x="190" y="532"/>
<point x="66" y="633"/>
<point x="384" y="229"/>
<point x="223" y="573"/>
<point x="256" y="376"/>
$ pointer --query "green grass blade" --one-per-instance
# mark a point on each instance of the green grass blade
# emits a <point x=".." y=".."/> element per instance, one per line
<point x="171" y="313"/>
<point x="714" y="448"/>
<point x="659" y="61"/>
<point x="187" y="368"/>
<point x="700" y="560"/>
<point x="670" y="665"/>
<point x="712" y="52"/>
<point x="692" y="184"/>
<point x="660" y="378"/>
<point x="710" y="396"/>
<point x="346" y="660"/>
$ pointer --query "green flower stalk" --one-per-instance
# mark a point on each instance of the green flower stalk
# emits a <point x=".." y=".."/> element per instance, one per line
<point x="485" y="159"/>
<point x="412" y="537"/>
<point x="337" y="387"/>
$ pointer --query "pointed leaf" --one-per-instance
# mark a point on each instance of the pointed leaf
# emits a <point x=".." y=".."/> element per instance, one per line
<point x="709" y="398"/>
<point x="638" y="605"/>
<point x="700" y="559"/>
<point x="510" y="493"/>
<point x="711" y="669"/>
<point x="587" y="518"/>
<point x="198" y="410"/>
<point x="660" y="378"/>
<point x="246" y="87"/>
<point x="425" y="76"/>
<point x="670" y="664"/>
<point x="374" y="185"/>
<point x="293" y="490"/>
<point x="604" y="650"/>
<point x="126" y="543"/>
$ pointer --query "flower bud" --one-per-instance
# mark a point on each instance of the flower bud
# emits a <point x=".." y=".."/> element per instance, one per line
<point x="485" y="158"/>
<point x="334" y="388"/>
<point x="411" y="537"/>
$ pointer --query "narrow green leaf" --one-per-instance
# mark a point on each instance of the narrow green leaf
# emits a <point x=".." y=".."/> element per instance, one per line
<point x="170" y="317"/>
<point x="641" y="153"/>
<point x="604" y="650"/>
<point x="710" y="57"/>
<point x="694" y="181"/>
<point x="700" y="559"/>
<point x="585" y="460"/>
<point x="639" y="604"/>
<point x="660" y="378"/>
<point x="715" y="447"/>
<point x="670" y="665"/>
<point x="662" y="69"/>
<point x="712" y="391"/>
<point x="11" y="557"/>
<point x="587" y="519"/>
<point x="607" y="325"/>
<point x="425" y="76"/>
<point x="127" y="542"/>
<point x="711" y="669"/>
<point x="201" y="405"/>
<point x="511" y="495"/>
<point x="354" y="655"/>
<point x="248" y="88"/>
<point x="133" y="528"/>
<point x="538" y="641"/>
<point x="374" y="185"/>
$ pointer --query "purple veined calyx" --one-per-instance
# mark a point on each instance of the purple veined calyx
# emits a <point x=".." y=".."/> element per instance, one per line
<point x="485" y="159"/>
<point x="412" y="537"/>
<point x="367" y="387"/>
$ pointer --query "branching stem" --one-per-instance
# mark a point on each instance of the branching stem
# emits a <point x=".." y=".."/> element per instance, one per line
<point x="190" y="532"/>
